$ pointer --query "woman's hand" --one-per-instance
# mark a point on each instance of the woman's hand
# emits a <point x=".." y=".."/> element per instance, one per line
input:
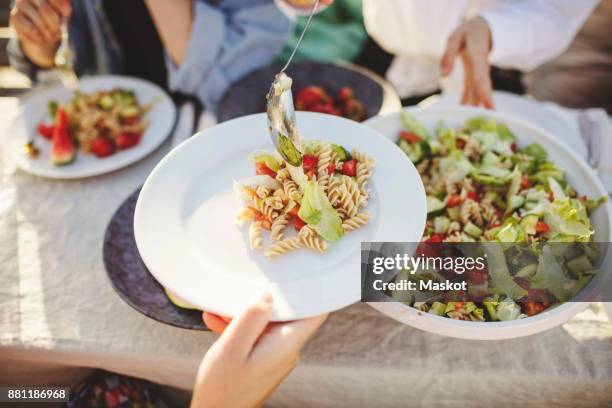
<point x="37" y="24"/>
<point x="251" y="357"/>
<point x="472" y="41"/>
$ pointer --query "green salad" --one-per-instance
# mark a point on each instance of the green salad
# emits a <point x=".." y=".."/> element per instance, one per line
<point x="483" y="187"/>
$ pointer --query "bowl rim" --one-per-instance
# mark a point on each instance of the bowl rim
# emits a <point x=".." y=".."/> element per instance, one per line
<point x="491" y="330"/>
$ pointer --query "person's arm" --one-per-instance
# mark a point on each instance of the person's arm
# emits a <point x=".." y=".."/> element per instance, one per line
<point x="528" y="33"/>
<point x="251" y="358"/>
<point x="174" y="22"/>
<point x="521" y="35"/>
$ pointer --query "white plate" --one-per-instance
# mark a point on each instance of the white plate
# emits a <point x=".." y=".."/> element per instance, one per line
<point x="186" y="233"/>
<point x="579" y="174"/>
<point x="34" y="110"/>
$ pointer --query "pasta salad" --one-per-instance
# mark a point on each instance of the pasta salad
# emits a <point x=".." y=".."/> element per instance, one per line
<point x="323" y="199"/>
<point x="483" y="187"/>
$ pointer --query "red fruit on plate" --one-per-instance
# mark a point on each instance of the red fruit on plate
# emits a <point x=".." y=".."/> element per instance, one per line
<point x="354" y="110"/>
<point x="102" y="146"/>
<point x="345" y="94"/>
<point x="125" y="140"/>
<point x="45" y="131"/>
<point x="349" y="168"/>
<point x="63" y="149"/>
<point x="310" y="96"/>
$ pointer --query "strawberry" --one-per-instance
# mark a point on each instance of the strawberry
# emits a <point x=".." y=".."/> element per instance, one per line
<point x="45" y="131"/>
<point x="354" y="110"/>
<point x="345" y="94"/>
<point x="310" y="96"/>
<point x="102" y="146"/>
<point x="125" y="140"/>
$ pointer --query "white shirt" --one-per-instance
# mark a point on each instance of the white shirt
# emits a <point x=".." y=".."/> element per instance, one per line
<point x="525" y="33"/>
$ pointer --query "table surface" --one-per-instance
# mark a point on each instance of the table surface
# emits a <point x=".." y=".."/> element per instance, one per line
<point x="57" y="307"/>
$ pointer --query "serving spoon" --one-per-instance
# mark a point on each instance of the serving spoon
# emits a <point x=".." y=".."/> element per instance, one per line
<point x="281" y="113"/>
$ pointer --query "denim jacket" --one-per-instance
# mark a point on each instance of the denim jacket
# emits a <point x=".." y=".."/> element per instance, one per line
<point x="227" y="41"/>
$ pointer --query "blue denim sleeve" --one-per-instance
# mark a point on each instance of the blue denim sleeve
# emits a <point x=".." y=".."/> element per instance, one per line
<point x="226" y="43"/>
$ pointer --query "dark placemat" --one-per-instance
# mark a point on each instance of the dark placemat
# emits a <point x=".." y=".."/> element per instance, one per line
<point x="248" y="95"/>
<point x="131" y="278"/>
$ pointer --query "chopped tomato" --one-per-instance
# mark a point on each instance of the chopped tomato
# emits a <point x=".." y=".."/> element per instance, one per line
<point x="132" y="120"/>
<point x="261" y="168"/>
<point x="349" y="168"/>
<point x="542" y="227"/>
<point x="525" y="183"/>
<point x="45" y="131"/>
<point x="331" y="168"/>
<point x="472" y="195"/>
<point x="453" y="201"/>
<point x="477" y="276"/>
<point x="532" y="308"/>
<point x="298" y="224"/>
<point x="410" y="137"/>
<point x="309" y="162"/>
<point x="460" y="143"/>
<point x="259" y="216"/>
<point x="435" y="239"/>
<point x="294" y="211"/>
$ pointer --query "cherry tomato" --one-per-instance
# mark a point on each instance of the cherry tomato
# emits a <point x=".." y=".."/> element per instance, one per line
<point x="298" y="224"/>
<point x="472" y="195"/>
<point x="309" y="162"/>
<point x="542" y="227"/>
<point x="453" y="201"/>
<point x="261" y="168"/>
<point x="525" y="183"/>
<point x="410" y="137"/>
<point x="349" y="168"/>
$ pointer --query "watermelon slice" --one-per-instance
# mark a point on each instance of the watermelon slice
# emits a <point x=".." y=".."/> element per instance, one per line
<point x="63" y="149"/>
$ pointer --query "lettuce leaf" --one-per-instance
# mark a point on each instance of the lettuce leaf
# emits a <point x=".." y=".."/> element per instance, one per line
<point x="550" y="276"/>
<point x="413" y="125"/>
<point x="568" y="218"/>
<point x="499" y="273"/>
<point x="317" y="212"/>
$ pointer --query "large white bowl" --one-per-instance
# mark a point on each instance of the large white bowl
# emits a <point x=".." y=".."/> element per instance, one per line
<point x="580" y="176"/>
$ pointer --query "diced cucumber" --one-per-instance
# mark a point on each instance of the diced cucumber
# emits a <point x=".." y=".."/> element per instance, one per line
<point x="129" y="111"/>
<point x="437" y="308"/>
<point x="453" y="212"/>
<point x="341" y="152"/>
<point x="472" y="230"/>
<point x="441" y="224"/>
<point x="514" y="202"/>
<point x="507" y="234"/>
<point x="528" y="224"/>
<point x="591" y="253"/>
<point x="106" y="102"/>
<point x="527" y="271"/>
<point x="579" y="265"/>
<point x="435" y="206"/>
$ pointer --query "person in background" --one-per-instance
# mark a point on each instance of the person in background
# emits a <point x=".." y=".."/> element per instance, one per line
<point x="581" y="77"/>
<point x="250" y="358"/>
<point x="428" y="36"/>
<point x="191" y="47"/>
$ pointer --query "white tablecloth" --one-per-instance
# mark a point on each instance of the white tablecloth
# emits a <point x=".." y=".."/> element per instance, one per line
<point x="57" y="308"/>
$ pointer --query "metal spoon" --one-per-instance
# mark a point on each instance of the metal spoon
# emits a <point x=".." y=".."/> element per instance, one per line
<point x="281" y="113"/>
<point x="64" y="60"/>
